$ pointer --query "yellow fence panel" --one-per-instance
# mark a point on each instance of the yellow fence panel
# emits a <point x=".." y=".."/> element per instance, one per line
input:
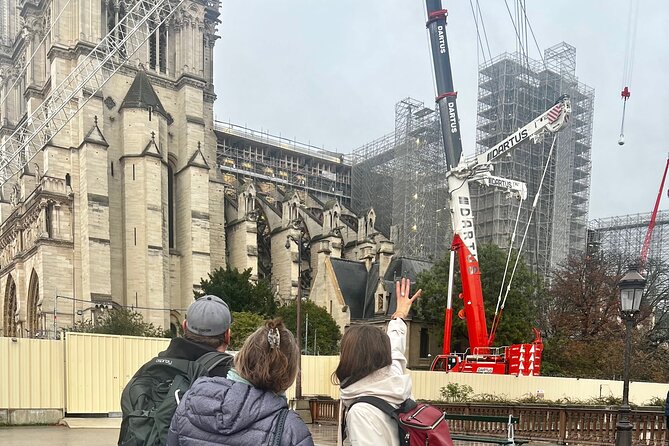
<point x="316" y="371"/>
<point x="86" y="373"/>
<point x="99" y="366"/>
<point x="427" y="385"/>
<point x="31" y="374"/>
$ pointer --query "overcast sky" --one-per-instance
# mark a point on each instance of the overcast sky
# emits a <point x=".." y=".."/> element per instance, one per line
<point x="330" y="72"/>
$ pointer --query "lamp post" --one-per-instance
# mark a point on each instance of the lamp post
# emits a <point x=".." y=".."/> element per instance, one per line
<point x="631" y="289"/>
<point x="298" y="311"/>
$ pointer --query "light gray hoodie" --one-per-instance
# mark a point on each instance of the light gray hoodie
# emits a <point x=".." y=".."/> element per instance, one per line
<point x="365" y="424"/>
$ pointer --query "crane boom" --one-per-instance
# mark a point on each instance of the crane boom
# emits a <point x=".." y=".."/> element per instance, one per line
<point x="90" y="74"/>
<point x="651" y="225"/>
<point x="446" y="96"/>
<point x="550" y="121"/>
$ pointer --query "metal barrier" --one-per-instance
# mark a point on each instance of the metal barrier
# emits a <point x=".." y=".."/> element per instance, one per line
<point x="324" y="411"/>
<point x="564" y="425"/>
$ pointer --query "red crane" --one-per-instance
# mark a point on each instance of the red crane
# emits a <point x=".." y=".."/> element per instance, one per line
<point x="649" y="232"/>
<point x="482" y="357"/>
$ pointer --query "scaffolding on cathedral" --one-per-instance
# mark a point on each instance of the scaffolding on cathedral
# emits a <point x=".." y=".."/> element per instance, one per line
<point x="624" y="235"/>
<point x="402" y="176"/>
<point x="278" y="163"/>
<point x="513" y="90"/>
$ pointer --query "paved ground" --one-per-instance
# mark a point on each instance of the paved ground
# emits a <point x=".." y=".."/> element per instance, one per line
<point x="325" y="435"/>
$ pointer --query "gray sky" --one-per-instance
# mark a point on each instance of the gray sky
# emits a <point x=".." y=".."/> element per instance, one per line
<point x="330" y="72"/>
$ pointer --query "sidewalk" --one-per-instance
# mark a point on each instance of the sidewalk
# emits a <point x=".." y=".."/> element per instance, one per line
<point x="324" y="435"/>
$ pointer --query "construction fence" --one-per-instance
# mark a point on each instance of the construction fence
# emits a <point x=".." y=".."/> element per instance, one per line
<point x="85" y="374"/>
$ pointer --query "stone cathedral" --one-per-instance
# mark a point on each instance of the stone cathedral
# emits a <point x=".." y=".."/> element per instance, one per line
<point x="122" y="206"/>
<point x="142" y="194"/>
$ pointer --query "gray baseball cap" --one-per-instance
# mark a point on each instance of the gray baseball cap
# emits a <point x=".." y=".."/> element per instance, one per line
<point x="208" y="316"/>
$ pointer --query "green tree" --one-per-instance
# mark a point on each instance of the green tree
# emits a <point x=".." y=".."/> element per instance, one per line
<point x="239" y="292"/>
<point x="322" y="327"/>
<point x="120" y="321"/>
<point x="243" y="324"/>
<point x="520" y="312"/>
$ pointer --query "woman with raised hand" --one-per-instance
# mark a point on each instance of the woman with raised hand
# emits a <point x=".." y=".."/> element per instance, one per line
<point x="372" y="363"/>
<point x="248" y="407"/>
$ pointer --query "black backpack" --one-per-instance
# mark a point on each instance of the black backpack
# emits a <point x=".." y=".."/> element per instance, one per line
<point x="153" y="394"/>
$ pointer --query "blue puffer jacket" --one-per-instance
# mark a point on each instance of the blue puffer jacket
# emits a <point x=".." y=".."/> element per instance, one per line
<point x="223" y="412"/>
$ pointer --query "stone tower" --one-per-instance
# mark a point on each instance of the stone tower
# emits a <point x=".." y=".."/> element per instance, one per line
<point x="122" y="206"/>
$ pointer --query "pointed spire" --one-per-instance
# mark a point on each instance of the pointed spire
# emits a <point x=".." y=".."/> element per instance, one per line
<point x="197" y="158"/>
<point x="142" y="95"/>
<point x="95" y="135"/>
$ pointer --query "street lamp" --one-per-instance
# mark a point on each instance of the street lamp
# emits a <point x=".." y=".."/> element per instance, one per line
<point x="298" y="311"/>
<point x="631" y="289"/>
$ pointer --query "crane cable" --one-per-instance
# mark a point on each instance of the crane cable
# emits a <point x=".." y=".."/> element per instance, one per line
<point x="478" y="17"/>
<point x="628" y="66"/>
<point x="508" y="256"/>
<point x="47" y="33"/>
<point x="496" y="320"/>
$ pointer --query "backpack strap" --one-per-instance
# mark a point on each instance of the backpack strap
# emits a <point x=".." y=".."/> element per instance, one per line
<point x="385" y="407"/>
<point x="278" y="433"/>
<point x="211" y="360"/>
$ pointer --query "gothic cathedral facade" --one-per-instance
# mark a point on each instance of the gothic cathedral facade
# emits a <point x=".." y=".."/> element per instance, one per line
<point x="123" y="205"/>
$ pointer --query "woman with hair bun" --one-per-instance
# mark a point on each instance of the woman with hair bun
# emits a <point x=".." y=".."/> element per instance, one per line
<point x="248" y="407"/>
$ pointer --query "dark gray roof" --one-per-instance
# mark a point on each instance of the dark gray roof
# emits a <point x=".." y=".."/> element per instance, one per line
<point x="358" y="286"/>
<point x="406" y="267"/>
<point x="142" y="95"/>
<point x="402" y="267"/>
<point x="370" y="291"/>
<point x="352" y="281"/>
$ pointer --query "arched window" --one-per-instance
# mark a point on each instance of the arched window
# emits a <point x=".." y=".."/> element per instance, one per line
<point x="158" y="47"/>
<point x="171" y="203"/>
<point x="33" y="306"/>
<point x="11" y="306"/>
<point x="115" y="10"/>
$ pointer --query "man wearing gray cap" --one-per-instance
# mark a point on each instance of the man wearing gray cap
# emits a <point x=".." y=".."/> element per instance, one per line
<point x="152" y="395"/>
<point x="206" y="329"/>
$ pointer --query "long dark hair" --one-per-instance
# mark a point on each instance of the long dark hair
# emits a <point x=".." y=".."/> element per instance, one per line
<point x="364" y="349"/>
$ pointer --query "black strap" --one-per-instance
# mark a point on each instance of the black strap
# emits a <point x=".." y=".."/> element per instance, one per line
<point x="385" y="407"/>
<point x="278" y="432"/>
<point x="211" y="360"/>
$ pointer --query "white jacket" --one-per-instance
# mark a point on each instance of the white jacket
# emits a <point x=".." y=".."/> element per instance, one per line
<point x="365" y="424"/>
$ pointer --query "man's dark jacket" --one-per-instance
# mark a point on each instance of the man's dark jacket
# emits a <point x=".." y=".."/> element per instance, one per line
<point x="181" y="348"/>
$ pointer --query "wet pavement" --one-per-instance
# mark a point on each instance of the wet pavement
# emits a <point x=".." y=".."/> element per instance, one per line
<point x="324" y="435"/>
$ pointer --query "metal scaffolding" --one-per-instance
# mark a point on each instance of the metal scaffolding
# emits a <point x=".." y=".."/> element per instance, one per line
<point x="402" y="176"/>
<point x="513" y="90"/>
<point x="276" y="163"/>
<point x="623" y="236"/>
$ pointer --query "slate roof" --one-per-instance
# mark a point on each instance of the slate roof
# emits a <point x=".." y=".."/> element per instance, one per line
<point x="352" y="279"/>
<point x="142" y="95"/>
<point x="358" y="286"/>
<point x="402" y="267"/>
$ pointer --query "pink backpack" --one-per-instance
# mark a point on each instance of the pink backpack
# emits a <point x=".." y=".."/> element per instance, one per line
<point x="417" y="424"/>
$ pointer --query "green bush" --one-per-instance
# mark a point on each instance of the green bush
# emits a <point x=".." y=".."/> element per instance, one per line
<point x="456" y="393"/>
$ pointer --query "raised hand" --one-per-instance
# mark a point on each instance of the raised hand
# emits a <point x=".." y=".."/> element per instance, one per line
<point x="404" y="302"/>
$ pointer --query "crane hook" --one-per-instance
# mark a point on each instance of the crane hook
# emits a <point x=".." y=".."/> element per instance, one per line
<point x="625" y="94"/>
